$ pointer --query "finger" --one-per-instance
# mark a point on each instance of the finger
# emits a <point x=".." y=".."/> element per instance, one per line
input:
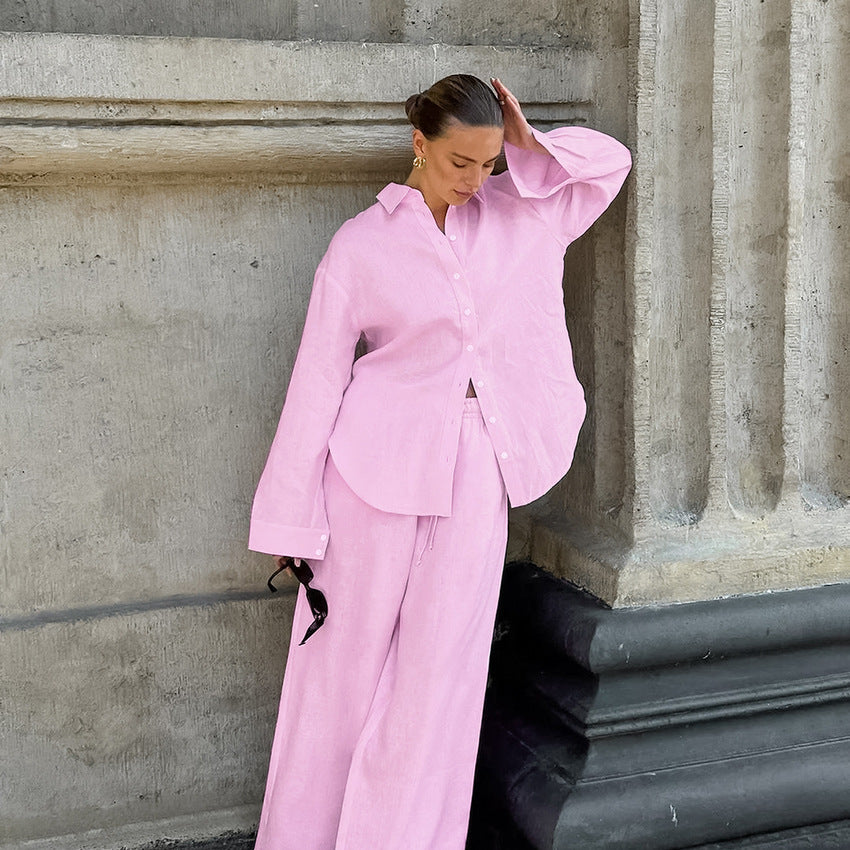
<point x="505" y="94"/>
<point x="511" y="107"/>
<point x="511" y="102"/>
<point x="282" y="563"/>
<point x="500" y="90"/>
<point x="297" y="561"/>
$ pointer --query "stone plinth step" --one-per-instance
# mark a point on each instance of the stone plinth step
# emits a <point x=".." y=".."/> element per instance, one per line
<point x="663" y="728"/>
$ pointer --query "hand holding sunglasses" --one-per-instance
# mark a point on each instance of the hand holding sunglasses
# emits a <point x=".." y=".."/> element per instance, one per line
<point x="315" y="598"/>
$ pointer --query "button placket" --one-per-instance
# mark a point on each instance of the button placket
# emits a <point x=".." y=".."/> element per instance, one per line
<point x="451" y="226"/>
<point x="463" y="294"/>
<point x="446" y="246"/>
<point x="447" y="250"/>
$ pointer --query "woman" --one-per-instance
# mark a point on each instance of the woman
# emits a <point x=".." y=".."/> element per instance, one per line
<point x="393" y="477"/>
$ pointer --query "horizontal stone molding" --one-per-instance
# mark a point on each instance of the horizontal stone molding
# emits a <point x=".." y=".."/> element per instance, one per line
<point x="80" y="104"/>
<point x="603" y="640"/>
<point x="178" y="149"/>
<point x="38" y="619"/>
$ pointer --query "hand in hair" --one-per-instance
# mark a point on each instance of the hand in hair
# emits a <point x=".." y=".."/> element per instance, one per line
<point x="517" y="129"/>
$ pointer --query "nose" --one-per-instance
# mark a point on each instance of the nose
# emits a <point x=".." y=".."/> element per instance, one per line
<point x="477" y="179"/>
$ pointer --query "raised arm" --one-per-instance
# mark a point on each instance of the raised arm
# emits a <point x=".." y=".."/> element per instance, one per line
<point x="570" y="174"/>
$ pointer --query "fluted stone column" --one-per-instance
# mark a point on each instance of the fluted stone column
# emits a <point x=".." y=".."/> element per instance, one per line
<point x="723" y="465"/>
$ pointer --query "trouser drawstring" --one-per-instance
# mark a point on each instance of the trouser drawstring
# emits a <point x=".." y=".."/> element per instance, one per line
<point x="429" y="538"/>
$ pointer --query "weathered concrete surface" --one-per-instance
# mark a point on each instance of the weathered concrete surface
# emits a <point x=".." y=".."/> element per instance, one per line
<point x="40" y="68"/>
<point x="148" y="331"/>
<point x="224" y="18"/>
<point x="147" y="334"/>
<point x="450" y="21"/>
<point x="111" y="719"/>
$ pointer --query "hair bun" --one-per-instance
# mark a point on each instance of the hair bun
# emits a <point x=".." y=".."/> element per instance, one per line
<point x="412" y="108"/>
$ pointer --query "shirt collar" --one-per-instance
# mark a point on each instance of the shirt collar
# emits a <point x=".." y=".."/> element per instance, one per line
<point x="394" y="193"/>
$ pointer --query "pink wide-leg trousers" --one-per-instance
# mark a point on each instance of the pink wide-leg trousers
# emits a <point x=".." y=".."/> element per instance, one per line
<point x="380" y="713"/>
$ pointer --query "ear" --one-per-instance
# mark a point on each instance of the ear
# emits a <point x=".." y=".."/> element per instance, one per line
<point x="418" y="143"/>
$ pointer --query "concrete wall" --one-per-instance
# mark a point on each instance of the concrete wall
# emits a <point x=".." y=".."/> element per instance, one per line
<point x="163" y="203"/>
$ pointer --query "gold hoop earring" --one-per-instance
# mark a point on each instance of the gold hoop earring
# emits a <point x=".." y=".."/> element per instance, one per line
<point x="419" y="162"/>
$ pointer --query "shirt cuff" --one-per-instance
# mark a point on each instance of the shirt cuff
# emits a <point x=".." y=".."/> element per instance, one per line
<point x="576" y="154"/>
<point x="273" y="539"/>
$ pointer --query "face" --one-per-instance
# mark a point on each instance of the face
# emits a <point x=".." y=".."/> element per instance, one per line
<point x="456" y="163"/>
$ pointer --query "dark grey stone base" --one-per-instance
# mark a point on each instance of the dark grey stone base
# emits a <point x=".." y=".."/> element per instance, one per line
<point x="664" y="728"/>
<point x="831" y="836"/>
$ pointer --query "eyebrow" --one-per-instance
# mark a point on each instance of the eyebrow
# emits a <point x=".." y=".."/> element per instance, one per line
<point x="469" y="159"/>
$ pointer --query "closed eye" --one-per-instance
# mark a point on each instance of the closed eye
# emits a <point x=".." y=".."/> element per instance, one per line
<point x="465" y="164"/>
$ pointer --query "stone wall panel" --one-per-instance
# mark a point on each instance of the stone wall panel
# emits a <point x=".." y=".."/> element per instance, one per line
<point x="132" y="715"/>
<point x="730" y="453"/>
<point x="148" y="335"/>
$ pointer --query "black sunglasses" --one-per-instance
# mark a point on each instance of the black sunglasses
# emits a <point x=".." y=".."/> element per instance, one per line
<point x="315" y="598"/>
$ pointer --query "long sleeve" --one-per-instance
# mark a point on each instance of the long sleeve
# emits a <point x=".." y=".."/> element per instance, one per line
<point x="288" y="516"/>
<point x="573" y="186"/>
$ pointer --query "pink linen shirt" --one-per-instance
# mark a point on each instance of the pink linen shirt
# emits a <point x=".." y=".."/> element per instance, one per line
<point x="480" y="302"/>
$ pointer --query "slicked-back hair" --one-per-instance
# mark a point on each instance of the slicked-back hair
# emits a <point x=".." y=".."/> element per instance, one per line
<point x="459" y="97"/>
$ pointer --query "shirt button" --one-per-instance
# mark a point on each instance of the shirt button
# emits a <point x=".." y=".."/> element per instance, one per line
<point x="456" y="276"/>
<point x="318" y="551"/>
<point x="467" y="311"/>
<point x="452" y="237"/>
<point x="504" y="455"/>
<point x="470" y="348"/>
<point x="481" y="383"/>
<point x="492" y="418"/>
<point x="323" y="537"/>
